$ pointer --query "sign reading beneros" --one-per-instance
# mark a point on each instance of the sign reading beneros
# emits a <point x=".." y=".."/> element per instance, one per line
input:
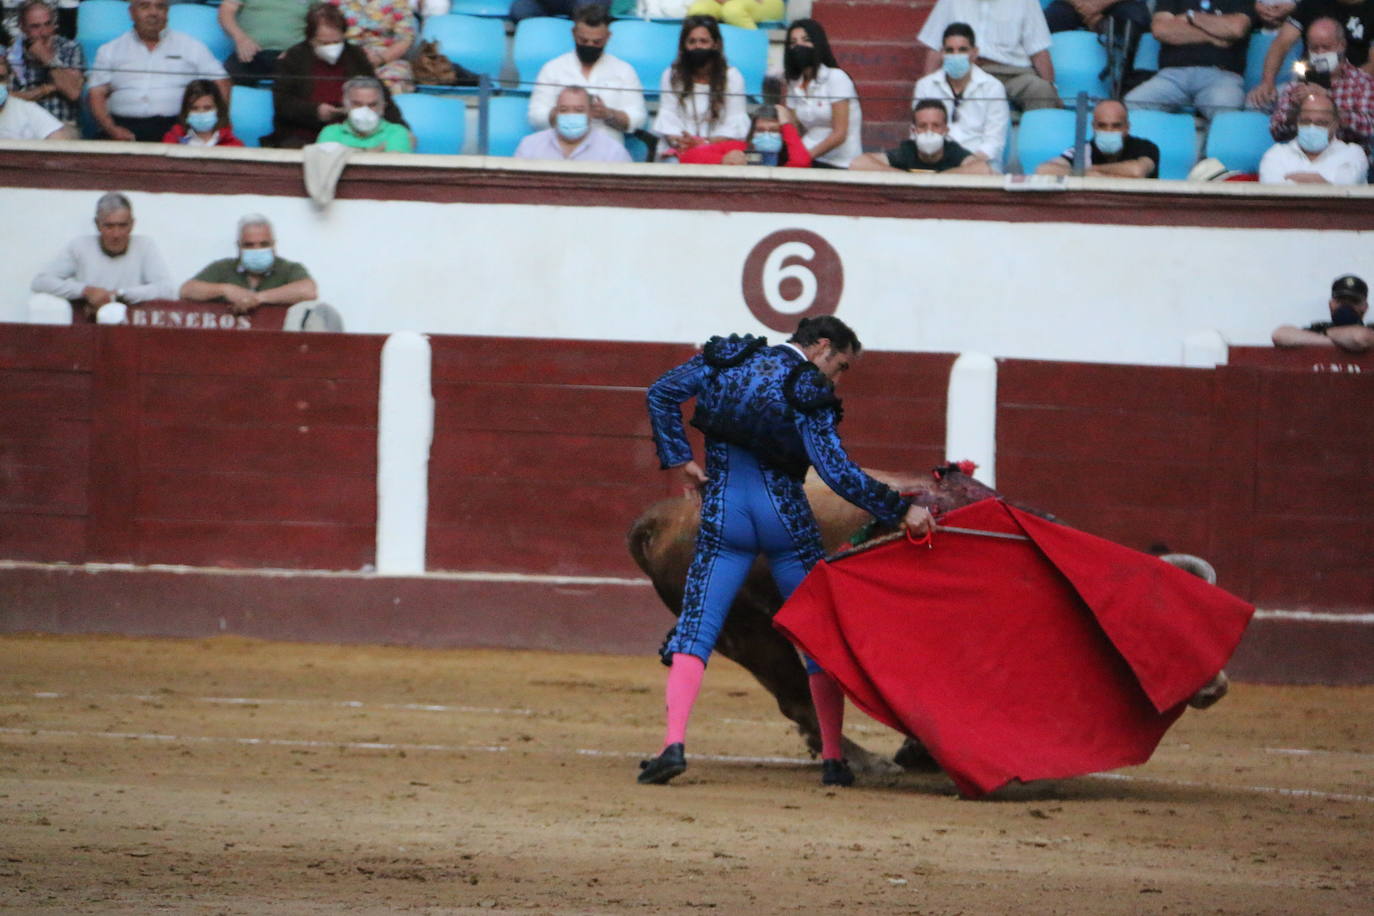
<point x="792" y="274"/>
<point x="164" y="313"/>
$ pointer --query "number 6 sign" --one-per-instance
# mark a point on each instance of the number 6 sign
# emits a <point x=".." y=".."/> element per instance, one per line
<point x="792" y="274"/>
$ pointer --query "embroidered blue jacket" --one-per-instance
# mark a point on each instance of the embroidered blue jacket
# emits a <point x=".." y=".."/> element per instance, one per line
<point x="771" y="401"/>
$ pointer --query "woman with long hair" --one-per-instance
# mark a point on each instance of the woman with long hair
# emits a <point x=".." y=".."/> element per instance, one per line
<point x="701" y="95"/>
<point x="204" y="118"/>
<point x="823" y="97"/>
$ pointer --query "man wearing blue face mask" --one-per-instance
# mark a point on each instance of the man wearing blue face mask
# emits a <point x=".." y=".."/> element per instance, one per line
<point x="1112" y="152"/>
<point x="571" y="136"/>
<point x="1315" y="156"/>
<point x="255" y="278"/>
<point x="1348" y="305"/>
<point x="975" y="100"/>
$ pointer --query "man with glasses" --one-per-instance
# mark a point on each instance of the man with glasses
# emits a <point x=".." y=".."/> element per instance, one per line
<point x="47" y="68"/>
<point x="975" y="100"/>
<point x="1315" y="156"/>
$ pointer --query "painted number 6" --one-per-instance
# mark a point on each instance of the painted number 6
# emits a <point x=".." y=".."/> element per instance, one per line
<point x="792" y="274"/>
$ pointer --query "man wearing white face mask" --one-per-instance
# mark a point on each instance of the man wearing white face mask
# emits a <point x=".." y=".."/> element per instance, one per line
<point x="929" y="150"/>
<point x="364" y="127"/>
<point x="571" y="136"/>
<point x="1316" y="156"/>
<point x="255" y="278"/>
<point x="1112" y="152"/>
<point x="975" y="101"/>
<point x="1352" y="89"/>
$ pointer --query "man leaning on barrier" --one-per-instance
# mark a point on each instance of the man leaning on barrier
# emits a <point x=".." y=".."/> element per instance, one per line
<point x="1112" y="152"/>
<point x="255" y="278"/>
<point x="112" y="266"/>
<point x="1346" y="330"/>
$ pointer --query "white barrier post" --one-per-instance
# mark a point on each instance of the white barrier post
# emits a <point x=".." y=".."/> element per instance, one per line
<point x="405" y="429"/>
<point x="1204" y="350"/>
<point x="971" y="414"/>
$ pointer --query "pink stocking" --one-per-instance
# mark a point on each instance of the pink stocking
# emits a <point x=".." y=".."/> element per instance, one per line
<point x="684" y="683"/>
<point x="828" y="699"/>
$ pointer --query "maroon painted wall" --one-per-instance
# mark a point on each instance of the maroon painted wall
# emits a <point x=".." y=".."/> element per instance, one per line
<point x="213" y="448"/>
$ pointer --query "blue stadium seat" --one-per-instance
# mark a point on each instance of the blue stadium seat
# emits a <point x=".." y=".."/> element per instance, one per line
<point x="538" y="41"/>
<point x="495" y="9"/>
<point x="637" y="148"/>
<point x="99" y="21"/>
<point x="1080" y="62"/>
<point x="1147" y="53"/>
<point x="438" y="122"/>
<point x="1239" y="139"/>
<point x="747" y="52"/>
<point x="476" y="43"/>
<point x="507" y="123"/>
<point x="1254" y="60"/>
<point x="1044" y="133"/>
<point x="250" y="112"/>
<point x="1174" y="134"/>
<point x="649" y="47"/>
<point x="201" y="22"/>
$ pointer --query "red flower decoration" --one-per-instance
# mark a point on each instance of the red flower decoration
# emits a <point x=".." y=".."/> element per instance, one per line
<point x="967" y="467"/>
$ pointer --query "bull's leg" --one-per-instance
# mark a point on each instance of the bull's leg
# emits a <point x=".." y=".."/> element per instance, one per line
<point x="749" y="640"/>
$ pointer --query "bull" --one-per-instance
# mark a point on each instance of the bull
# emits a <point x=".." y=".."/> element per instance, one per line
<point x="662" y="539"/>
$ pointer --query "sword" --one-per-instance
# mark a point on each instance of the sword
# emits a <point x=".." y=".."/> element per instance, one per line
<point x="898" y="535"/>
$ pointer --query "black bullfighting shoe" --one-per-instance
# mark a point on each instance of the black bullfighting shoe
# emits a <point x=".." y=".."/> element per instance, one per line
<point x="836" y="773"/>
<point x="664" y="767"/>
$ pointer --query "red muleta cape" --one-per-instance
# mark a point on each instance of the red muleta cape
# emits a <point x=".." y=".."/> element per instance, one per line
<point x="1016" y="660"/>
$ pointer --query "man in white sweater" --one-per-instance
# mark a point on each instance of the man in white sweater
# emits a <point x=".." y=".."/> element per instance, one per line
<point x="113" y="266"/>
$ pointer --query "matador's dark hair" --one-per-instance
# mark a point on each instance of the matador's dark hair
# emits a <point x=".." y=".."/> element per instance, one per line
<point x="840" y="335"/>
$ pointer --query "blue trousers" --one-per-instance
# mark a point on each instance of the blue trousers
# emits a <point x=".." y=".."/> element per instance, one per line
<point x="747" y="509"/>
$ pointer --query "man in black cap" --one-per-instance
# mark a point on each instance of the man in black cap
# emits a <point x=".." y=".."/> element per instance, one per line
<point x="1346" y="329"/>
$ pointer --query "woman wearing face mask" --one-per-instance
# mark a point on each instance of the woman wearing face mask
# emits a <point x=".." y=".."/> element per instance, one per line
<point x="773" y="140"/>
<point x="702" y="96"/>
<point x="823" y="97"/>
<point x="204" y="119"/>
<point x="307" y="93"/>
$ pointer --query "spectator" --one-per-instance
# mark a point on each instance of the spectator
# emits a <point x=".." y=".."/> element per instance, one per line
<point x="1201" y="56"/>
<point x="255" y="278"/>
<point x="1315" y="156"/>
<point x="529" y="9"/>
<point x="1068" y="15"/>
<point x="822" y="96"/>
<point x="1352" y="89"/>
<point x="307" y="92"/>
<point x="1273" y="14"/>
<point x="1348" y="304"/>
<point x="114" y="265"/>
<point x="773" y="140"/>
<point x="364" y="126"/>
<point x="572" y="136"/>
<point x="617" y="96"/>
<point x="702" y="96"/>
<point x="744" y="14"/>
<point x="385" y="30"/>
<point x="1016" y="49"/>
<point x="139" y="77"/>
<point x="23" y="120"/>
<point x="261" y="30"/>
<point x="47" y="68"/>
<point x="1112" y="152"/>
<point x="204" y="119"/>
<point x="976" y="102"/>
<point x="1356" y="17"/>
<point x="929" y="150"/>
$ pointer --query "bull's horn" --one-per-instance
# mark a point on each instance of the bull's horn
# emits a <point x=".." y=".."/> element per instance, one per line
<point x="1191" y="564"/>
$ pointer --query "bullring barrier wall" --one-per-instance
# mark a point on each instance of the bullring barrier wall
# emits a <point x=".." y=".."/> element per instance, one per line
<point x="183" y="482"/>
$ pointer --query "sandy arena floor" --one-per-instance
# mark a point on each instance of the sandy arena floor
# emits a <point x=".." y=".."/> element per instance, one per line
<point x="231" y="776"/>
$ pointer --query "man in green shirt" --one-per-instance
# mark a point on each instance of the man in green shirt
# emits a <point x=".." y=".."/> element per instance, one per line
<point x="262" y="30"/>
<point x="364" y="128"/>
<point x="257" y="277"/>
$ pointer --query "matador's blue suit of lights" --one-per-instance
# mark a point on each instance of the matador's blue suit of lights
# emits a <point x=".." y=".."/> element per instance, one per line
<point x="768" y="414"/>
